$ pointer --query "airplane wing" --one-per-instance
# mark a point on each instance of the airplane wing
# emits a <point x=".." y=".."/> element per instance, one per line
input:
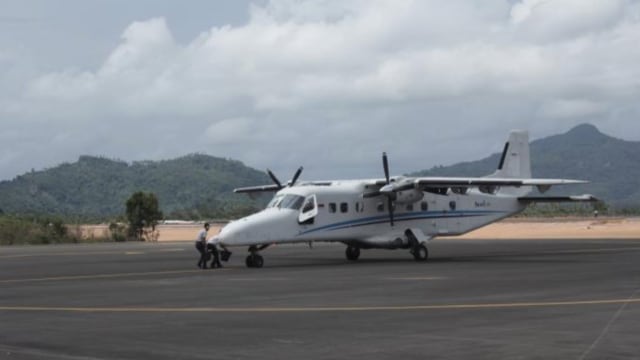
<point x="256" y="189"/>
<point x="443" y="182"/>
<point x="487" y="181"/>
<point x="575" y="198"/>
<point x="440" y="185"/>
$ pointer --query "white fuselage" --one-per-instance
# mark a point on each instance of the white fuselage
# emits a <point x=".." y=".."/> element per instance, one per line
<point x="342" y="214"/>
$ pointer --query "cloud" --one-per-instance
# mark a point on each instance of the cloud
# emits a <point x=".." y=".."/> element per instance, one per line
<point x="554" y="20"/>
<point x="331" y="84"/>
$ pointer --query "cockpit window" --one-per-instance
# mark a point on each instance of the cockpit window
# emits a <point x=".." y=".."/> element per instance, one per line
<point x="288" y="201"/>
<point x="291" y="202"/>
<point x="275" y="201"/>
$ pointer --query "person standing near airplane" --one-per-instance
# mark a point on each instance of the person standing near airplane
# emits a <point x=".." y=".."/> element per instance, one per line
<point x="213" y="249"/>
<point x="201" y="242"/>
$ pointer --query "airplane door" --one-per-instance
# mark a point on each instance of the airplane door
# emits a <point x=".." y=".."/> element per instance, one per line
<point x="309" y="210"/>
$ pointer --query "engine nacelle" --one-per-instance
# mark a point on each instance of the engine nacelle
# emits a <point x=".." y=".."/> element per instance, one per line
<point x="409" y="196"/>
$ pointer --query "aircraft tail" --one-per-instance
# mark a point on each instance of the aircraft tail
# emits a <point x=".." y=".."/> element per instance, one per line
<point x="515" y="161"/>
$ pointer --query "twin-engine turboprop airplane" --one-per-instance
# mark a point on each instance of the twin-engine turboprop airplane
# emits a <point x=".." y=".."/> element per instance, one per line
<point x="392" y="213"/>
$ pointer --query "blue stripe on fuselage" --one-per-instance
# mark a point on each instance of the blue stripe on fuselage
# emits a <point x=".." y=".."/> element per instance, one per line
<point x="380" y="219"/>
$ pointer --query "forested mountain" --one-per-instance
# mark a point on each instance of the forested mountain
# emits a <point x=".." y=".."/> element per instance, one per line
<point x="612" y="165"/>
<point x="197" y="186"/>
<point x="94" y="187"/>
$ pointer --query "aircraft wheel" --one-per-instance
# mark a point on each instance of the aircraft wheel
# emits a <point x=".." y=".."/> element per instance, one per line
<point x="420" y="253"/>
<point x="352" y="252"/>
<point x="254" y="261"/>
<point x="258" y="261"/>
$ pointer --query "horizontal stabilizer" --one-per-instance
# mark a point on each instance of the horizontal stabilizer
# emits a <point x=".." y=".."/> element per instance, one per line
<point x="543" y="199"/>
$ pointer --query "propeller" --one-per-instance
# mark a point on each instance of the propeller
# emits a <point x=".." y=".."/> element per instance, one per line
<point x="296" y="176"/>
<point x="291" y="183"/>
<point x="387" y="190"/>
<point x="275" y="179"/>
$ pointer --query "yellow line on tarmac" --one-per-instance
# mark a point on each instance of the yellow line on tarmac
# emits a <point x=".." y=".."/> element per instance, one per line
<point x="60" y="254"/>
<point x="76" y="253"/>
<point x="103" y="276"/>
<point x="315" y="309"/>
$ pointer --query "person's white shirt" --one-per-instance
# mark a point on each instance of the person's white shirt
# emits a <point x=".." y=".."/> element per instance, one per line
<point x="202" y="236"/>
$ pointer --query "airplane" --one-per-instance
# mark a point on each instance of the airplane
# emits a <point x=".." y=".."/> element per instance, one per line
<point x="394" y="212"/>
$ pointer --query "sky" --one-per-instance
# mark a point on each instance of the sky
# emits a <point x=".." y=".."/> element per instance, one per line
<point x="325" y="84"/>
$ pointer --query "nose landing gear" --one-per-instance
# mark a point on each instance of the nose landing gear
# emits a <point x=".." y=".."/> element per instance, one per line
<point x="254" y="260"/>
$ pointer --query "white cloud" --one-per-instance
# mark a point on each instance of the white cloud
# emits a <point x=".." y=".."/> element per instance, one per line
<point x="331" y="84"/>
<point x="554" y="20"/>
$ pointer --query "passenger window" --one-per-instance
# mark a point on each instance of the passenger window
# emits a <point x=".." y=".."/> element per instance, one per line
<point x="452" y="205"/>
<point x="332" y="207"/>
<point x="344" y="207"/>
<point x="409" y="207"/>
<point x="380" y="207"/>
<point x="424" y="206"/>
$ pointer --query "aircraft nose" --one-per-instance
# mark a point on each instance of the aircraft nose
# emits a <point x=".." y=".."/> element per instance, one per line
<point x="229" y="235"/>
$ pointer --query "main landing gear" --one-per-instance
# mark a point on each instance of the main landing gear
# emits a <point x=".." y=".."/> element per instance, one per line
<point x="254" y="260"/>
<point x="352" y="252"/>
<point x="420" y="252"/>
<point x="418" y="249"/>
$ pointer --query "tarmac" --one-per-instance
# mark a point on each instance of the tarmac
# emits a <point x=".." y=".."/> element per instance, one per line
<point x="474" y="299"/>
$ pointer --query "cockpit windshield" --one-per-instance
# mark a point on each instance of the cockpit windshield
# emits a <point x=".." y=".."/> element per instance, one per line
<point x="288" y="201"/>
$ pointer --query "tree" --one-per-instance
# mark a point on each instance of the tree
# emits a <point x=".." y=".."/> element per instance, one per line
<point x="143" y="213"/>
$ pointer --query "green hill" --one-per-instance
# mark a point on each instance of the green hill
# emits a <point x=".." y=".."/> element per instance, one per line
<point x="197" y="186"/>
<point x="612" y="165"/>
<point x="97" y="188"/>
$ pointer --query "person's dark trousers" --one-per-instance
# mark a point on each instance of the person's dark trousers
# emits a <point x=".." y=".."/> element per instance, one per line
<point x="216" y="256"/>
<point x="202" y="263"/>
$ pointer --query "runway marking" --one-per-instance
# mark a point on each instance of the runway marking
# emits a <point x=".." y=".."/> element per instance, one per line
<point x="18" y="256"/>
<point x="604" y="331"/>
<point x="151" y="251"/>
<point x="134" y="253"/>
<point x="415" y="278"/>
<point x="312" y="309"/>
<point x="257" y="279"/>
<point x="104" y="276"/>
<point x="588" y="250"/>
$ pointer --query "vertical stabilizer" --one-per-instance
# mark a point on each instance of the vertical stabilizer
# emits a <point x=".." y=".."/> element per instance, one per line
<point x="515" y="161"/>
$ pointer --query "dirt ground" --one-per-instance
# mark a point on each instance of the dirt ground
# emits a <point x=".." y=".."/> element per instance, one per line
<point x="514" y="228"/>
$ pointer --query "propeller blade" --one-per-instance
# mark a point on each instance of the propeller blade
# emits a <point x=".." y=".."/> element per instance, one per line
<point x="385" y="165"/>
<point x="274" y="178"/>
<point x="387" y="189"/>
<point x="295" y="176"/>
